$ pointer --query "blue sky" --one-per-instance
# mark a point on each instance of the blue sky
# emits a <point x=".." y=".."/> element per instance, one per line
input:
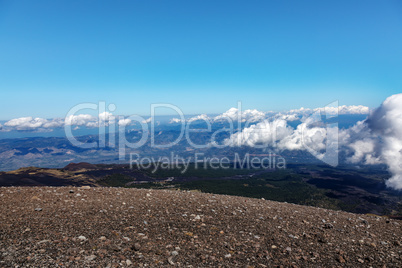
<point x="202" y="56"/>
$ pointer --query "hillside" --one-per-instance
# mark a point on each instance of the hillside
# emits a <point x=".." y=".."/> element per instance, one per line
<point x="119" y="227"/>
<point x="356" y="190"/>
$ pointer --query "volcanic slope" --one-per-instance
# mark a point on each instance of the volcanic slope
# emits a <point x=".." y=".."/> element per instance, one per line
<point x="119" y="227"/>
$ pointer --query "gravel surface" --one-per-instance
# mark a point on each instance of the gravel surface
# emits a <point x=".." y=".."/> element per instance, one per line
<point x="117" y="227"/>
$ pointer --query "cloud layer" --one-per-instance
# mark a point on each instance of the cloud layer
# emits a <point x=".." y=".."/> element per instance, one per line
<point x="386" y="123"/>
<point x="253" y="115"/>
<point x="376" y="140"/>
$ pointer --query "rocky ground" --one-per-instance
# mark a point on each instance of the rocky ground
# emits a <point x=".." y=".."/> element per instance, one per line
<point x="117" y="227"/>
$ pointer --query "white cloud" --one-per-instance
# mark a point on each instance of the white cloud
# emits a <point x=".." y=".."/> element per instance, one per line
<point x="57" y="122"/>
<point x="124" y="122"/>
<point x="79" y="120"/>
<point x="386" y="122"/>
<point x="175" y="120"/>
<point x="343" y="109"/>
<point x="301" y="111"/>
<point x="26" y="123"/>
<point x="287" y="117"/>
<point x="90" y="121"/>
<point x="149" y="120"/>
<point x="201" y="117"/>
<point x="106" y="117"/>
<point x="264" y="133"/>
<point x="364" y="151"/>
<point x="234" y="114"/>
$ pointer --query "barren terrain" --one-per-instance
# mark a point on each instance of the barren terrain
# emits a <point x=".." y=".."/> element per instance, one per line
<point x="114" y="227"/>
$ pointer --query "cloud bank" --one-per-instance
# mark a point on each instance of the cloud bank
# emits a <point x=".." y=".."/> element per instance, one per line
<point x="376" y="140"/>
<point x="30" y="123"/>
<point x="386" y="123"/>
<point x="254" y="116"/>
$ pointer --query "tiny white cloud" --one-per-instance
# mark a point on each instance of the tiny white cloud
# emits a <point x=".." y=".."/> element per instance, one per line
<point x="175" y="120"/>
<point x="201" y="117"/>
<point x="146" y="121"/>
<point x="124" y="122"/>
<point x="79" y="120"/>
<point x="233" y="114"/>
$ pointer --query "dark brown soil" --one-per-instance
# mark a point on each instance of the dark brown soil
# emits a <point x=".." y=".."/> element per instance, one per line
<point x="116" y="227"/>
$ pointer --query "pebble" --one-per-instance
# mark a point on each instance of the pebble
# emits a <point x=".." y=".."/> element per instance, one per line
<point x="137" y="246"/>
<point x="90" y="258"/>
<point x="82" y="238"/>
<point x="170" y="260"/>
<point x="38" y="209"/>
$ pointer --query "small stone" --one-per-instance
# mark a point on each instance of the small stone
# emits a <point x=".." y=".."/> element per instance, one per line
<point x="360" y="260"/>
<point x="128" y="262"/>
<point x="228" y="255"/>
<point x="102" y="238"/>
<point x="82" y="238"/>
<point x="288" y="249"/>
<point x="341" y="259"/>
<point x="90" y="258"/>
<point x="137" y="246"/>
<point x="274" y="247"/>
<point x="197" y="218"/>
<point x="174" y="253"/>
<point x="170" y="260"/>
<point x="38" y="209"/>
<point x="43" y="241"/>
<point x="86" y="187"/>
<point x="71" y="191"/>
